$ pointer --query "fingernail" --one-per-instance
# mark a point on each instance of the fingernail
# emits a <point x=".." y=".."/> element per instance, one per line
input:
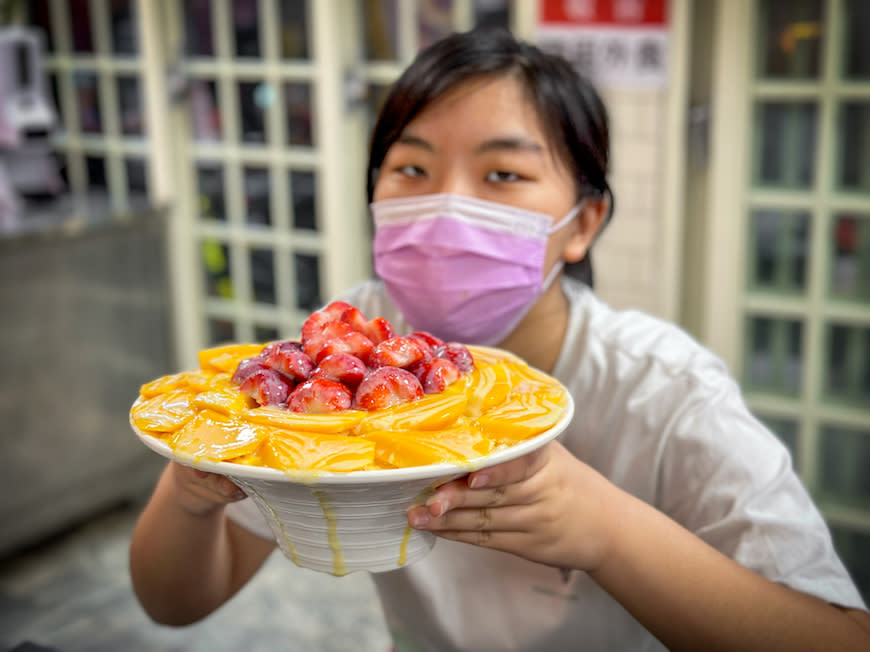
<point x="239" y="494"/>
<point x="420" y="520"/>
<point x="478" y="481"/>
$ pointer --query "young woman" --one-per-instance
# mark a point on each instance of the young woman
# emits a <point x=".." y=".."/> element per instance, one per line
<point x="665" y="515"/>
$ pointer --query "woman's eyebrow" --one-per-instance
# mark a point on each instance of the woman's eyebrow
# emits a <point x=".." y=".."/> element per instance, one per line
<point x="415" y="141"/>
<point x="510" y="143"/>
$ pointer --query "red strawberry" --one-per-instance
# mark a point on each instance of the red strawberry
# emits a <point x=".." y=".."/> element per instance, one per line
<point x="320" y="396"/>
<point x="377" y="329"/>
<point x="458" y="354"/>
<point x="341" y="367"/>
<point x="436" y="374"/>
<point x="317" y="320"/>
<point x="267" y="387"/>
<point x="385" y="387"/>
<point x="428" y="338"/>
<point x="291" y="360"/>
<point x="247" y="367"/>
<point x="398" y="352"/>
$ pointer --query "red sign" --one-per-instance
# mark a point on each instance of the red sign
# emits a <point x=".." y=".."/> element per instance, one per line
<point x="609" y="13"/>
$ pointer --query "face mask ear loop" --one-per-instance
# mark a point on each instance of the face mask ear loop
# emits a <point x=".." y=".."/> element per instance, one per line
<point x="574" y="212"/>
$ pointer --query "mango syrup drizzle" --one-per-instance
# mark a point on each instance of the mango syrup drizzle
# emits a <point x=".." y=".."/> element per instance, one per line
<point x="338" y="566"/>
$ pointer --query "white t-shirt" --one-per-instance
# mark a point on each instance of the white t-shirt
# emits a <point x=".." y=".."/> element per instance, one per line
<point x="660" y="417"/>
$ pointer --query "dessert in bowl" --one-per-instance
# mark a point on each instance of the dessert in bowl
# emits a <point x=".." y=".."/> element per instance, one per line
<point x="335" y="436"/>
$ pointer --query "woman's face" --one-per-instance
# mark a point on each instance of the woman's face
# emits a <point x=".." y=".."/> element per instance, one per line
<point x="483" y="139"/>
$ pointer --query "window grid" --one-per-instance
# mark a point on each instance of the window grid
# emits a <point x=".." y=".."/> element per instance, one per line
<point x="73" y="144"/>
<point x="814" y="307"/>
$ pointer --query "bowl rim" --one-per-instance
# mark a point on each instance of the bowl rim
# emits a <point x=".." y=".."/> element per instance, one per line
<point x="262" y="473"/>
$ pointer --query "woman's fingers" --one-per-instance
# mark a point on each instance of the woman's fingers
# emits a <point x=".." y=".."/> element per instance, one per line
<point x="201" y="491"/>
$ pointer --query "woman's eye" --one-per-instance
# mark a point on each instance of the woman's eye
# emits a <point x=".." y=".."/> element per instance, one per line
<point x="500" y="176"/>
<point x="411" y="171"/>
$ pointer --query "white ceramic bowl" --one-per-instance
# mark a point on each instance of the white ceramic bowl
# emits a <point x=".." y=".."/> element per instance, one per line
<point x="344" y="522"/>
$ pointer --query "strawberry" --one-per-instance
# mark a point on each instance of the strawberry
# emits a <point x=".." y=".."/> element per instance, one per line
<point x="341" y="367"/>
<point x="320" y="396"/>
<point x="266" y="387"/>
<point x="317" y="320"/>
<point x="290" y="360"/>
<point x="436" y="374"/>
<point x="385" y="387"/>
<point x="399" y="351"/>
<point x="428" y="338"/>
<point x="247" y="367"/>
<point x="458" y="354"/>
<point x="377" y="329"/>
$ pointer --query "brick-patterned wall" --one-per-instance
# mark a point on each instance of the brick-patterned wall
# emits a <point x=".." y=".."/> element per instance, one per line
<point x="628" y="254"/>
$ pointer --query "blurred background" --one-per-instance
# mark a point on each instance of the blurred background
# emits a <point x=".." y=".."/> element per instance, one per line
<point x="177" y="173"/>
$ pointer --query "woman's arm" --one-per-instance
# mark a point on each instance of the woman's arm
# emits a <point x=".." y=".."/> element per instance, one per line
<point x="551" y="508"/>
<point x="186" y="557"/>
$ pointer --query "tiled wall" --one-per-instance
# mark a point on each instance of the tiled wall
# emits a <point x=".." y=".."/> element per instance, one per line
<point x="627" y="255"/>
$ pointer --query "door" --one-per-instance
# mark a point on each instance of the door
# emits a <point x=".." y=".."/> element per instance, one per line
<point x="786" y="290"/>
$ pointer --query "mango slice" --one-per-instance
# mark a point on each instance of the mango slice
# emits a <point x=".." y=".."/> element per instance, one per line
<point x="420" y="447"/>
<point x="163" y="413"/>
<point x="226" y="358"/>
<point x="328" y="423"/>
<point x="521" y="417"/>
<point x="428" y="413"/>
<point x="489" y="385"/>
<point x="289" y="451"/>
<point x="216" y="437"/>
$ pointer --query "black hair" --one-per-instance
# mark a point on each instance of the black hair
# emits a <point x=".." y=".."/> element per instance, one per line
<point x="570" y="109"/>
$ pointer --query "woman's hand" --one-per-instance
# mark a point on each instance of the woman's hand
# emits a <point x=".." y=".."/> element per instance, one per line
<point x="199" y="492"/>
<point x="547" y="506"/>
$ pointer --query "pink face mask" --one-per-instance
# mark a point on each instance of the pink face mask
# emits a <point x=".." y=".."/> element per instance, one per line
<point x="464" y="269"/>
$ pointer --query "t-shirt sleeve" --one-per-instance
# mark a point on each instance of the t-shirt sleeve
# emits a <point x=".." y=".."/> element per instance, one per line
<point x="728" y="479"/>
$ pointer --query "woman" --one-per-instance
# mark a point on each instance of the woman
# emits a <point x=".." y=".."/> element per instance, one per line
<point x="665" y="514"/>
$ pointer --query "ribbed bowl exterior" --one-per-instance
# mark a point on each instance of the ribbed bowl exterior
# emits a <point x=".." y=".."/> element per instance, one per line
<point x="340" y="529"/>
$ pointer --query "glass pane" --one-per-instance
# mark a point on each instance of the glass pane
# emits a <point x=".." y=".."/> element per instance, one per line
<point x="853" y="145"/>
<point x="205" y="116"/>
<point x="294" y="29"/>
<point x="780" y="249"/>
<point x="297" y="107"/>
<point x="847" y="377"/>
<point x="246" y="28"/>
<point x="198" y="39"/>
<point x="262" y="263"/>
<point x="80" y="15"/>
<point x="96" y="167"/>
<point x="216" y="268"/>
<point x="130" y="106"/>
<point x="257" y="196"/>
<point x="265" y="333"/>
<point x="850" y="259"/>
<point x="87" y="96"/>
<point x="774" y="355"/>
<point x="307" y="268"/>
<point x="125" y="40"/>
<point x="221" y="331"/>
<point x="492" y="13"/>
<point x="786" y="430"/>
<point x="843" y="463"/>
<point x="303" y="195"/>
<point x="137" y="176"/>
<point x="39" y="15"/>
<point x="434" y="21"/>
<point x="252" y="102"/>
<point x="381" y="37"/>
<point x="856" y="47"/>
<point x="790" y="38"/>
<point x="210" y="181"/>
<point x="852" y="547"/>
<point x="786" y="135"/>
